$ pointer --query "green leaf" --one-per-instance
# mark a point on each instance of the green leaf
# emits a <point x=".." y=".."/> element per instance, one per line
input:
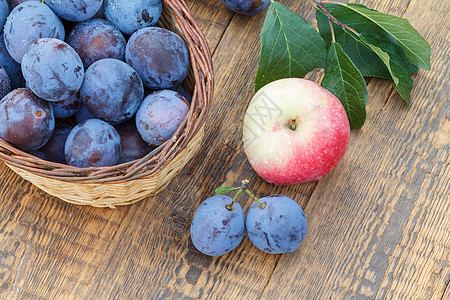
<point x="416" y="48"/>
<point x="225" y="189"/>
<point x="373" y="40"/>
<point x="365" y="59"/>
<point x="344" y="80"/>
<point x="290" y="47"/>
<point x="397" y="67"/>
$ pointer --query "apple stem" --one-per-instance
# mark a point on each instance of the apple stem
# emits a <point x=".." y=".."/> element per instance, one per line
<point x="292" y="124"/>
<point x="256" y="199"/>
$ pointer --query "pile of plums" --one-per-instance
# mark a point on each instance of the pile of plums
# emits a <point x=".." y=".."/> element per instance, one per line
<point x="89" y="83"/>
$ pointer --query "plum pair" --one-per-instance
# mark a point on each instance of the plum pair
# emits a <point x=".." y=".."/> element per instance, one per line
<point x="274" y="224"/>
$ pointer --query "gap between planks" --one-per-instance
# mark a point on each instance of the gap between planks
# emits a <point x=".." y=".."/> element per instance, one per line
<point x="446" y="293"/>
<point x="107" y="255"/>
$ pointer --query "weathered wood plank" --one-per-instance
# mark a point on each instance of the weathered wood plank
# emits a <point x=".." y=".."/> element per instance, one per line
<point x="422" y="268"/>
<point x="48" y="247"/>
<point x="212" y="18"/>
<point x="385" y="233"/>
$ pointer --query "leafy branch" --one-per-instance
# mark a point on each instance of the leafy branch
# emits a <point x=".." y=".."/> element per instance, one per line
<point x="331" y="18"/>
<point x="353" y="42"/>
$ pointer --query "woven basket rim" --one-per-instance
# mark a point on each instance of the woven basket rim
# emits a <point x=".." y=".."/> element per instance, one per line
<point x="203" y="82"/>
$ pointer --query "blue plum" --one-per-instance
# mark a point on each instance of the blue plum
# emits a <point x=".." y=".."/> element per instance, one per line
<point x="75" y="11"/>
<point x="247" y="7"/>
<point x="11" y="66"/>
<point x="5" y="83"/>
<point x="159" y="56"/>
<point x="53" y="150"/>
<point x="96" y="39"/>
<point x="215" y="230"/>
<point x="92" y="143"/>
<point x="133" y="146"/>
<point x="280" y="227"/>
<point x="83" y="114"/>
<point x="26" y="120"/>
<point x="160" y="115"/>
<point x="52" y="69"/>
<point x="4" y="12"/>
<point x="28" y="22"/>
<point x="112" y="90"/>
<point x="67" y="107"/>
<point x="130" y="16"/>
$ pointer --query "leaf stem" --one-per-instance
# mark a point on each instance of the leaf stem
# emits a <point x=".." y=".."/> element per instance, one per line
<point x="332" y="31"/>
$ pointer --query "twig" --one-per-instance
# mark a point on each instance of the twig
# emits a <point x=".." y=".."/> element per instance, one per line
<point x="321" y="5"/>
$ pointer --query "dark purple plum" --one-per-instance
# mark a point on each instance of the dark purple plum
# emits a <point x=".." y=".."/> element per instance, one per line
<point x="67" y="107"/>
<point x="92" y="143"/>
<point x="112" y="90"/>
<point x="133" y="146"/>
<point x="28" y="22"/>
<point x="52" y="69"/>
<point x="83" y="114"/>
<point x="215" y="230"/>
<point x="5" y="83"/>
<point x="130" y="16"/>
<point x="75" y="11"/>
<point x="4" y="12"/>
<point x="53" y="150"/>
<point x="280" y="227"/>
<point x="26" y="120"/>
<point x="11" y="66"/>
<point x="160" y="115"/>
<point x="159" y="56"/>
<point x="96" y="39"/>
<point x="247" y="7"/>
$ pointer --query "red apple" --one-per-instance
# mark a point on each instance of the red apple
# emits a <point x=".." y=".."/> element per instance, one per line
<point x="295" y="131"/>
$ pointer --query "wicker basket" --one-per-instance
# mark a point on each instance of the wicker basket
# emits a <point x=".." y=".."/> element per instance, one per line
<point x="130" y="182"/>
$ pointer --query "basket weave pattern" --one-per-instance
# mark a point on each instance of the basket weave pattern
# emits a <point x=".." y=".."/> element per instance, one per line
<point x="130" y="182"/>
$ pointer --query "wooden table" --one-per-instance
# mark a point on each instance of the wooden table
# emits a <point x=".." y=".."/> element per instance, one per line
<point x="379" y="224"/>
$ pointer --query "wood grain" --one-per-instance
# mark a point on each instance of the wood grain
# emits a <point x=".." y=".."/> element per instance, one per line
<point x="387" y="233"/>
<point x="212" y="18"/>
<point x="378" y="224"/>
<point x="49" y="247"/>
